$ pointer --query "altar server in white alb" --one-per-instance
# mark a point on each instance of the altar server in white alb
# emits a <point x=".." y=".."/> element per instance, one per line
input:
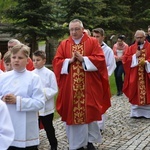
<point x="50" y="89"/>
<point x="99" y="34"/>
<point x="21" y="90"/>
<point x="6" y="127"/>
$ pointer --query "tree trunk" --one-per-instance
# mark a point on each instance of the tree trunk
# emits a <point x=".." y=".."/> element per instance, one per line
<point x="32" y="43"/>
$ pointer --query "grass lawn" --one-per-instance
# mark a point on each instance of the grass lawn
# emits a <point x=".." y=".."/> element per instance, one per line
<point x="112" y="87"/>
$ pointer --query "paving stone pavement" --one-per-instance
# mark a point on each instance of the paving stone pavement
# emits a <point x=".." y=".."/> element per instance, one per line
<point x="121" y="132"/>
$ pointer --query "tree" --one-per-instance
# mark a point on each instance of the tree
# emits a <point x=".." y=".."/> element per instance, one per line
<point x="3" y="6"/>
<point x="31" y="20"/>
<point x="46" y="19"/>
<point x="139" y="12"/>
<point x="85" y="10"/>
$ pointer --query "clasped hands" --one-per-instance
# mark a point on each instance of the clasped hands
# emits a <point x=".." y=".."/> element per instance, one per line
<point x="76" y="56"/>
<point x="138" y="53"/>
<point x="118" y="59"/>
<point x="9" y="99"/>
<point x="141" y="60"/>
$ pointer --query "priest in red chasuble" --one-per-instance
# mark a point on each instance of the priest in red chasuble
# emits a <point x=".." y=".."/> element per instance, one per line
<point x="136" y="87"/>
<point x="84" y="93"/>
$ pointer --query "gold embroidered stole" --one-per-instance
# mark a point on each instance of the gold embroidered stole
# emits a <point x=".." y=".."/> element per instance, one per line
<point x="141" y="73"/>
<point x="78" y="80"/>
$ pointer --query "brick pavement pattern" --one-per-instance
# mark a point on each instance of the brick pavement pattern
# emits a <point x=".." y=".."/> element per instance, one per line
<point x="121" y="132"/>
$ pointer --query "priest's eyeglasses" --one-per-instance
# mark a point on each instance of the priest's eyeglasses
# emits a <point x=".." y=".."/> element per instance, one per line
<point x="139" y="37"/>
<point x="75" y="29"/>
<point x="10" y="47"/>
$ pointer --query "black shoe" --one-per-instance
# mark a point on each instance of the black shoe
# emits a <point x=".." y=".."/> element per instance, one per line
<point x="90" y="146"/>
<point x="119" y="93"/>
<point x="82" y="148"/>
<point x="53" y="148"/>
<point x="141" y="117"/>
<point x="101" y="131"/>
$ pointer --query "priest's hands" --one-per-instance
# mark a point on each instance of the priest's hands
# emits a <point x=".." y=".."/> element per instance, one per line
<point x="76" y="56"/>
<point x="72" y="59"/>
<point x="118" y="59"/>
<point x="9" y="99"/>
<point x="138" y="53"/>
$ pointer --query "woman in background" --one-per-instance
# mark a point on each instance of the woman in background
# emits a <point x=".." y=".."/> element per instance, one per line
<point x="119" y="49"/>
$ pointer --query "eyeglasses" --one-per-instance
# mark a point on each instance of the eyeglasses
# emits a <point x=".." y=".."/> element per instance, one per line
<point x="139" y="37"/>
<point x="10" y="47"/>
<point x="75" y="29"/>
<point x="96" y="36"/>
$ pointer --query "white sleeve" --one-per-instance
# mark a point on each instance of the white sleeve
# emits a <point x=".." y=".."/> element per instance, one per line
<point x="65" y="65"/>
<point x="110" y="63"/>
<point x="134" y="62"/>
<point x="50" y="92"/>
<point x="88" y="65"/>
<point x="6" y="127"/>
<point x="147" y="66"/>
<point x="36" y="101"/>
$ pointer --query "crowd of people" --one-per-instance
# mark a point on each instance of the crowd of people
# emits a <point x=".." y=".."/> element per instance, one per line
<point x="82" y="66"/>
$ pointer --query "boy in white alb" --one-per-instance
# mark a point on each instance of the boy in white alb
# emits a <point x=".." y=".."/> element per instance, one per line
<point x="7" y="61"/>
<point x="49" y="90"/>
<point x="99" y="34"/>
<point x="21" y="90"/>
<point x="6" y="127"/>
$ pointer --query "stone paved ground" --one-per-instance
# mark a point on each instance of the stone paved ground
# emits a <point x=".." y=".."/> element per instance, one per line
<point x="121" y="131"/>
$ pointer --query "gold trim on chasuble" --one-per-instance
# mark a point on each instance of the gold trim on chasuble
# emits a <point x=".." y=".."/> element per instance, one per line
<point x="78" y="80"/>
<point x="141" y="73"/>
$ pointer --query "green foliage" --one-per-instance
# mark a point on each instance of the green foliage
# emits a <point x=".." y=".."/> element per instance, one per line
<point x="45" y="19"/>
<point x="32" y="20"/>
<point x="140" y="12"/>
<point x="5" y="4"/>
<point x="86" y="10"/>
<point x="29" y="17"/>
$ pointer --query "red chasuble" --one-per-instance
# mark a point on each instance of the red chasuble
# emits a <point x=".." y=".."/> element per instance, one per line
<point x="137" y="80"/>
<point x="83" y="95"/>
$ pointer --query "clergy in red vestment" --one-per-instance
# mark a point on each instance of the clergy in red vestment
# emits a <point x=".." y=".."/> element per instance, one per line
<point x="84" y="93"/>
<point x="136" y="62"/>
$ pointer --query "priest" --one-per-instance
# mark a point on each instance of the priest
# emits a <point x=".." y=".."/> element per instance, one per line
<point x="84" y="93"/>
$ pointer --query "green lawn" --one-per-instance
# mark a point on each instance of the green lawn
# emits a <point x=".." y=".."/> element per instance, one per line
<point x="112" y="87"/>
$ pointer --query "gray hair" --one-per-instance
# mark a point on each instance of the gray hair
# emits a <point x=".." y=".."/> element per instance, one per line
<point x="140" y="31"/>
<point x="77" y="20"/>
<point x="14" y="41"/>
